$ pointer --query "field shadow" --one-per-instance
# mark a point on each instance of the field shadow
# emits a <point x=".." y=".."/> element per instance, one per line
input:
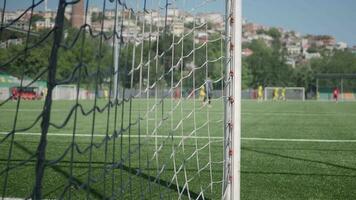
<point x="297" y="174"/>
<point x="134" y="171"/>
<point x="301" y="149"/>
<point x="299" y="159"/>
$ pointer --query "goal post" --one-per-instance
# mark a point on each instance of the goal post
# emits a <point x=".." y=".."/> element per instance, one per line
<point x="64" y="92"/>
<point x="326" y="83"/>
<point x="234" y="101"/>
<point x="291" y="93"/>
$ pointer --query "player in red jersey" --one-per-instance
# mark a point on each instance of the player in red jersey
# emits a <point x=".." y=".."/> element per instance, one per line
<point x="336" y="94"/>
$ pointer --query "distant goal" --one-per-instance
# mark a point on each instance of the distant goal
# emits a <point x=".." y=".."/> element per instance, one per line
<point x="291" y="93"/>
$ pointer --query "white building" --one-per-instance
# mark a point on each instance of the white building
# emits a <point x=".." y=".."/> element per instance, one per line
<point x="178" y="28"/>
<point x="291" y="61"/>
<point x="294" y="50"/>
<point x="341" y="45"/>
<point x="214" y="18"/>
<point x="309" y="56"/>
<point x="174" y="12"/>
<point x="44" y="24"/>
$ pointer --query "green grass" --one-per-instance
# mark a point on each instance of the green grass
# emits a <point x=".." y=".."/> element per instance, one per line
<point x="270" y="169"/>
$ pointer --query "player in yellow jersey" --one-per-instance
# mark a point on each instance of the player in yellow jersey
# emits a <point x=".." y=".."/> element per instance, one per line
<point x="275" y="94"/>
<point x="202" y="94"/>
<point x="260" y="93"/>
<point x="283" y="94"/>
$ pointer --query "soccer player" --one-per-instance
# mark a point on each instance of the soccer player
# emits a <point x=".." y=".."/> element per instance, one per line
<point x="208" y="90"/>
<point x="177" y="94"/>
<point x="202" y="94"/>
<point x="336" y="94"/>
<point x="283" y="94"/>
<point x="275" y="94"/>
<point x="260" y="93"/>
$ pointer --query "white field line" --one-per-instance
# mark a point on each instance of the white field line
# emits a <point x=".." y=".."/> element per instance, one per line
<point x="9" y="198"/>
<point x="244" y="113"/>
<point x="298" y="114"/>
<point x="13" y="198"/>
<point x="102" y="136"/>
<point x="192" y="137"/>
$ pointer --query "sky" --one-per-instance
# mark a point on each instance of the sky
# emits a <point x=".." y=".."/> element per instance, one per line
<point x="332" y="17"/>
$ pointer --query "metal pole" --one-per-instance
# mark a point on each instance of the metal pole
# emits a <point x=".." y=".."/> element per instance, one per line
<point x="342" y="89"/>
<point x="236" y="135"/>
<point x="317" y="89"/>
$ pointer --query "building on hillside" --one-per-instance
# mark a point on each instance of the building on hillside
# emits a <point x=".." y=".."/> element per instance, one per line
<point x="201" y="37"/>
<point x="341" y="46"/>
<point x="178" y="28"/>
<point x="49" y="14"/>
<point x="266" y="38"/>
<point x="291" y="61"/>
<point x="252" y="28"/>
<point x="107" y="26"/>
<point x="110" y="14"/>
<point x="247" y="52"/>
<point x="11" y="42"/>
<point x="304" y="43"/>
<point x="10" y="16"/>
<point x="188" y="18"/>
<point x="44" y="24"/>
<point x="309" y="56"/>
<point x="353" y="49"/>
<point x="174" y="12"/>
<point x="294" y="50"/>
<point x="214" y="18"/>
<point x="321" y="40"/>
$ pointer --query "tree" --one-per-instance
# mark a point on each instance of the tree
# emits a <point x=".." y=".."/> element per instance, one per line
<point x="338" y="62"/>
<point x="35" y="18"/>
<point x="267" y="66"/>
<point x="274" y="33"/>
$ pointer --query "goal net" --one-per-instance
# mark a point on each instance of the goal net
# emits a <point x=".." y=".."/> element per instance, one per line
<point x="159" y="120"/>
<point x="284" y="93"/>
<point x="344" y="83"/>
<point x="64" y="92"/>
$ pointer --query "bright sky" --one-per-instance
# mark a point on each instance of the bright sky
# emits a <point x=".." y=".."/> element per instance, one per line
<point x="333" y="17"/>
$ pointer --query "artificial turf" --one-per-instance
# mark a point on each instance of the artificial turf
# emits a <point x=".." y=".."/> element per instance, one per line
<point x="134" y="166"/>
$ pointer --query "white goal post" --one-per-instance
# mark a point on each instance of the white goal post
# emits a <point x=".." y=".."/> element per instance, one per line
<point x="291" y="93"/>
<point x="141" y="67"/>
<point x="65" y="92"/>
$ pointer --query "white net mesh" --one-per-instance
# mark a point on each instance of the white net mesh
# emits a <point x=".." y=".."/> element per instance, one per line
<point x="153" y="127"/>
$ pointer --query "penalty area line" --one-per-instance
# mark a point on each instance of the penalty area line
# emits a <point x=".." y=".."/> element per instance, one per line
<point x="125" y="136"/>
<point x="192" y="137"/>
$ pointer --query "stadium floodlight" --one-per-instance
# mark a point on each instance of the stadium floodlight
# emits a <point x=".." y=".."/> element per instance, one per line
<point x="291" y="93"/>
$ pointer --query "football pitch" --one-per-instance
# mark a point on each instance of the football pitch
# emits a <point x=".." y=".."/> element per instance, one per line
<point x="290" y="150"/>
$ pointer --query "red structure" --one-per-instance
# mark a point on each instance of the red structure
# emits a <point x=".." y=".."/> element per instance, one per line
<point x="77" y="17"/>
<point x="26" y="93"/>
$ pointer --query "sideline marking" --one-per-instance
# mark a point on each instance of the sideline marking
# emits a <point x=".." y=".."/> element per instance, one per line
<point x="193" y="137"/>
<point x="243" y="113"/>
